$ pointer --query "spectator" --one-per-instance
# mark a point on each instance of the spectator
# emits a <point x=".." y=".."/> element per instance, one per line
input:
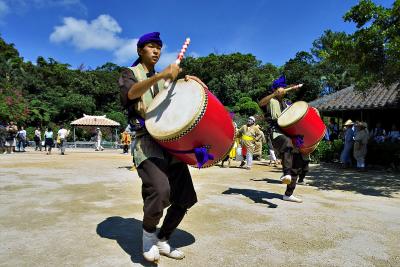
<point x="126" y="141"/>
<point x="345" y="157"/>
<point x="48" y="140"/>
<point x="132" y="133"/>
<point x="62" y="137"/>
<point x="10" y="137"/>
<point x="378" y="133"/>
<point x="3" y="134"/>
<point x="333" y="129"/>
<point x="99" y="137"/>
<point x="394" y="134"/>
<point x="38" y="139"/>
<point x="21" y="138"/>
<point x="360" y="144"/>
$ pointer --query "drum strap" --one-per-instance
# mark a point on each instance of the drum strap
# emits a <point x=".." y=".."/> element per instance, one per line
<point x="138" y="123"/>
<point x="298" y="140"/>
<point x="201" y="154"/>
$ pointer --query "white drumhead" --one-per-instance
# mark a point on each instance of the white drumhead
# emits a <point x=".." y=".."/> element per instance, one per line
<point x="292" y="114"/>
<point x="175" y="109"/>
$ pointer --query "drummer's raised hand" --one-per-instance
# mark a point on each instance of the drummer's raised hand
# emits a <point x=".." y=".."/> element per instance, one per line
<point x="190" y="77"/>
<point x="170" y="72"/>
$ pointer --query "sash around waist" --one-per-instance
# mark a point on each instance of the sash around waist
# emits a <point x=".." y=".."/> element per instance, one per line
<point x="247" y="138"/>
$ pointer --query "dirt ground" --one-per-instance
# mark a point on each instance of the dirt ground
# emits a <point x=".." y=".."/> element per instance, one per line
<point x="85" y="209"/>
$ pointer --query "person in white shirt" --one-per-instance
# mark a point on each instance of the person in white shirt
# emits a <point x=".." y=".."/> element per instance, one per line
<point x="38" y="139"/>
<point x="62" y="138"/>
<point x="99" y="136"/>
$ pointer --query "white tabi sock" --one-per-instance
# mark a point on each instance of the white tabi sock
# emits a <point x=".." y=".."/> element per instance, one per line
<point x="166" y="250"/>
<point x="150" y="249"/>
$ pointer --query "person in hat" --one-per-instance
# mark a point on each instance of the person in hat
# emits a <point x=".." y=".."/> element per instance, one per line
<point x="166" y="182"/>
<point x="249" y="134"/>
<point x="292" y="160"/>
<point x="345" y="156"/>
<point x="360" y="144"/>
<point x="99" y="137"/>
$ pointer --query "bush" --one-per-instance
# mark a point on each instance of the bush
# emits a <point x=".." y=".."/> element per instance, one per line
<point x="384" y="154"/>
<point x="327" y="151"/>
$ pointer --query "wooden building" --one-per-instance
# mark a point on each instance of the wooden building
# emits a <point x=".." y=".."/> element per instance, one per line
<point x="377" y="104"/>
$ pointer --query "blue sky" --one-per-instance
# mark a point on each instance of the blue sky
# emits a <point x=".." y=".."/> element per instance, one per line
<point x="92" y="32"/>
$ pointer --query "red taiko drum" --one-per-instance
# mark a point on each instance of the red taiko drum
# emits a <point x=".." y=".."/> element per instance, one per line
<point x="303" y="124"/>
<point x="190" y="123"/>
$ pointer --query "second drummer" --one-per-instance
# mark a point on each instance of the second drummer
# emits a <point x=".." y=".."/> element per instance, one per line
<point x="292" y="160"/>
<point x="166" y="182"/>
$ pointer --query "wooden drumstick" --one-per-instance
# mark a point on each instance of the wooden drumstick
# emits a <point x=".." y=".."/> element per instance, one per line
<point x="292" y="87"/>
<point x="265" y="100"/>
<point x="179" y="58"/>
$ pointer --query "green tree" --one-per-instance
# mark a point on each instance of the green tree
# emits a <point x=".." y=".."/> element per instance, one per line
<point x="246" y="106"/>
<point x="303" y="69"/>
<point x="231" y="77"/>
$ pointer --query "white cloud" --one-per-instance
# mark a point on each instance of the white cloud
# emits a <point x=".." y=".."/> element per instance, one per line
<point x="97" y="34"/>
<point x="4" y="9"/>
<point x="102" y="34"/>
<point x="126" y="52"/>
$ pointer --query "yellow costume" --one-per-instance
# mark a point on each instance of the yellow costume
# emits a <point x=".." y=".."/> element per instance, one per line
<point x="126" y="138"/>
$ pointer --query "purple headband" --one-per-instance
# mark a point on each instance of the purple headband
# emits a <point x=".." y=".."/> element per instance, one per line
<point x="280" y="82"/>
<point x="152" y="37"/>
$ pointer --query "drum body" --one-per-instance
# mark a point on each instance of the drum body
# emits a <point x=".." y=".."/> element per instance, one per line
<point x="300" y="121"/>
<point x="185" y="117"/>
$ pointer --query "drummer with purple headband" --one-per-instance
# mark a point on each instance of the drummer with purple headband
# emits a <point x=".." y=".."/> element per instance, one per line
<point x="166" y="182"/>
<point x="292" y="160"/>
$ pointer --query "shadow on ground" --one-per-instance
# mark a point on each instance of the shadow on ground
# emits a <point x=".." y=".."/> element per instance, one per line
<point x="255" y="195"/>
<point x="128" y="234"/>
<point x="268" y="180"/>
<point x="373" y="183"/>
<point x="125" y="167"/>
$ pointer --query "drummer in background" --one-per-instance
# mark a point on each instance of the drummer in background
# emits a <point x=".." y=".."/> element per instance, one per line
<point x="166" y="182"/>
<point x="249" y="134"/>
<point x="232" y="153"/>
<point x="259" y="144"/>
<point x="292" y="160"/>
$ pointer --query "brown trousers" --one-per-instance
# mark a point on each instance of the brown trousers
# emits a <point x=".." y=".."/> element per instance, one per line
<point x="292" y="162"/>
<point x="165" y="185"/>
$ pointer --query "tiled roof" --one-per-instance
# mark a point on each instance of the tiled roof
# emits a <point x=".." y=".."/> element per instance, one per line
<point x="94" y="121"/>
<point x="377" y="97"/>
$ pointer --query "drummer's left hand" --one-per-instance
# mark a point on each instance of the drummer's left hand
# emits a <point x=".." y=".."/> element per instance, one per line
<point x="190" y="77"/>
